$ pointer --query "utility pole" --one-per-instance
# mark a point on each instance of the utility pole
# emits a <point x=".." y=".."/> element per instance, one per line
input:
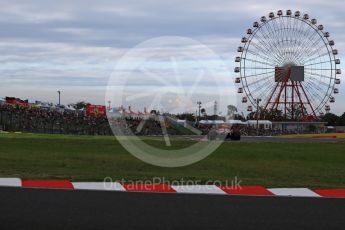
<point x="215" y="109"/>
<point x="59" y="92"/>
<point x="109" y="103"/>
<point x="199" y="106"/>
<point x="257" y="101"/>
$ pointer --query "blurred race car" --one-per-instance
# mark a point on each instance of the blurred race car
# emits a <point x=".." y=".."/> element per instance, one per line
<point x="224" y="132"/>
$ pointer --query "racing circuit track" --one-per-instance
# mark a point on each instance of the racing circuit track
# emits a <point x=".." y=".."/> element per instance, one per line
<point x="290" y="140"/>
<point x="277" y="139"/>
<point x="71" y="209"/>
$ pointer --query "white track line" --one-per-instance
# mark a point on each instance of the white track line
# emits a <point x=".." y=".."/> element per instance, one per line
<point x="202" y="189"/>
<point x="11" y="182"/>
<point x="303" y="192"/>
<point x="110" y="186"/>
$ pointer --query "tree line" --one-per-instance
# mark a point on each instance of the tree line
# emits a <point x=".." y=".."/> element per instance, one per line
<point x="333" y="119"/>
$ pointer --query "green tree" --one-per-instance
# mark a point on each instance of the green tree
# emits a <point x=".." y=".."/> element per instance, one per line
<point x="186" y="116"/>
<point x="231" y="111"/>
<point x="342" y="120"/>
<point x="331" y="119"/>
<point x="272" y="114"/>
<point x="295" y="112"/>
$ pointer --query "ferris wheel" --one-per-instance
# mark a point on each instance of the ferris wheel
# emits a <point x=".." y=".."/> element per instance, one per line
<point x="287" y="62"/>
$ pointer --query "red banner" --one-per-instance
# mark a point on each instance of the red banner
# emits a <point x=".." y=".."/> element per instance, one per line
<point x="95" y="110"/>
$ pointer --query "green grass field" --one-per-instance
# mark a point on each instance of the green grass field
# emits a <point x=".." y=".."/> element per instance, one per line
<point x="88" y="158"/>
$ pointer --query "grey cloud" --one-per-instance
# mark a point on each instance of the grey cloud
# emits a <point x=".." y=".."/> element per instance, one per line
<point x="76" y="43"/>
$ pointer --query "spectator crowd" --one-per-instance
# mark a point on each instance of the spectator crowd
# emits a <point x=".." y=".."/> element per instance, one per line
<point x="65" y="121"/>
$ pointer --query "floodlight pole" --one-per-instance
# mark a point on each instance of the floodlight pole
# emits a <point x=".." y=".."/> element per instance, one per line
<point x="59" y="92"/>
<point x="199" y="107"/>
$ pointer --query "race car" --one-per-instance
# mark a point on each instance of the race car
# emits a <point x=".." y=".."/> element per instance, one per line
<point x="224" y="132"/>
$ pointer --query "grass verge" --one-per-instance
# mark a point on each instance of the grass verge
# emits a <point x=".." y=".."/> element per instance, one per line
<point x="92" y="158"/>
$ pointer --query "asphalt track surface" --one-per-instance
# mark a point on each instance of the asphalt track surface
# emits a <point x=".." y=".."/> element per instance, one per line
<point x="273" y="139"/>
<point x="290" y="140"/>
<point x="77" y="209"/>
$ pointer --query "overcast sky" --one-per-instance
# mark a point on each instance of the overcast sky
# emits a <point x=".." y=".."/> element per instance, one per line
<point x="73" y="46"/>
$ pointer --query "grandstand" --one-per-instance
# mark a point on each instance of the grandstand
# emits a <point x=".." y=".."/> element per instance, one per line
<point x="17" y="115"/>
